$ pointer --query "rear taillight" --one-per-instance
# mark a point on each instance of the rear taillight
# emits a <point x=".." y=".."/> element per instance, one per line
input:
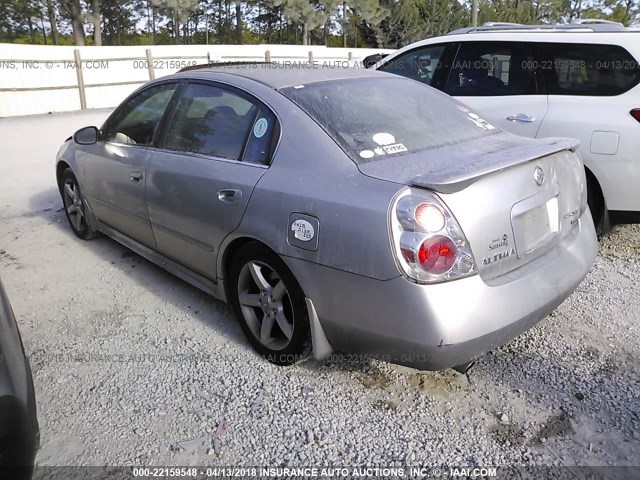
<point x="635" y="113"/>
<point x="428" y="243"/>
<point x="437" y="254"/>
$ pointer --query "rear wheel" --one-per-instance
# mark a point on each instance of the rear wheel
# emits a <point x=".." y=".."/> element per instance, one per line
<point x="74" y="206"/>
<point x="270" y="305"/>
<point x="597" y="205"/>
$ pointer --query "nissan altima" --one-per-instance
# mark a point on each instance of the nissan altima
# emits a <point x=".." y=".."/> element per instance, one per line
<point x="337" y="210"/>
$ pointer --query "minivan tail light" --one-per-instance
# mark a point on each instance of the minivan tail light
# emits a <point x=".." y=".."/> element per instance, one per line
<point x="635" y="113"/>
<point x="428" y="243"/>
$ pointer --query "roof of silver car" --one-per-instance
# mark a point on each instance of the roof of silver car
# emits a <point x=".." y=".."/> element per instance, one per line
<point x="280" y="76"/>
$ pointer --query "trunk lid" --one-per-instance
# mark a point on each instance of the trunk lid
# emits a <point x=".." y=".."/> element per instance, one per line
<point x="513" y="197"/>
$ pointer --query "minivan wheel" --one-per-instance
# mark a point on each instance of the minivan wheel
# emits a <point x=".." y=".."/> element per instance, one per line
<point x="74" y="207"/>
<point x="270" y="305"/>
<point x="597" y="206"/>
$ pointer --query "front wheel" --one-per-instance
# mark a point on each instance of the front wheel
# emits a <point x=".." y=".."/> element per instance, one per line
<point x="270" y="305"/>
<point x="74" y="206"/>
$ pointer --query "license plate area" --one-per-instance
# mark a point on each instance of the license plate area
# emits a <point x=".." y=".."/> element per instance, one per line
<point x="535" y="222"/>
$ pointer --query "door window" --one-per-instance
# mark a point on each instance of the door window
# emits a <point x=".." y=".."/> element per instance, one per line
<point x="493" y="69"/>
<point x="420" y="64"/>
<point x="211" y="120"/>
<point x="596" y="70"/>
<point x="137" y="121"/>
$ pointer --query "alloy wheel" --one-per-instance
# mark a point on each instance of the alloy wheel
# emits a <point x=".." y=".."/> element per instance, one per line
<point x="73" y="204"/>
<point x="265" y="305"/>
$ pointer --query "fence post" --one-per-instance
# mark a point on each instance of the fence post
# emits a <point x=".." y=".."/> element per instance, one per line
<point x="267" y="56"/>
<point x="78" y="61"/>
<point x="350" y="56"/>
<point x="152" y="72"/>
<point x="208" y="58"/>
<point x="310" y="56"/>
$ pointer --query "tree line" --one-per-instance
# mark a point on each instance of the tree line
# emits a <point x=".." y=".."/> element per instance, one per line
<point x="346" y="23"/>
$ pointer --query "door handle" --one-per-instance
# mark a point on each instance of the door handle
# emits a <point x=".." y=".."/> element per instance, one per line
<point x="136" y="177"/>
<point x="232" y="196"/>
<point x="521" y="117"/>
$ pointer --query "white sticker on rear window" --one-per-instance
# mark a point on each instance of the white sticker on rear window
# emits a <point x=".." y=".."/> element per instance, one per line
<point x="384" y="138"/>
<point x="397" y="148"/>
<point x="367" y="154"/>
<point x="260" y="128"/>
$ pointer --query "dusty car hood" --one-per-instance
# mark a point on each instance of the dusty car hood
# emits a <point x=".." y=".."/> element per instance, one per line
<point x="451" y="168"/>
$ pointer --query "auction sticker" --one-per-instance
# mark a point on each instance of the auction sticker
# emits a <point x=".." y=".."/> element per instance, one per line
<point x="397" y="148"/>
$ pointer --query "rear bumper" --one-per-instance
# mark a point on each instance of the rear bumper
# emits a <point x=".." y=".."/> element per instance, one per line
<point x="433" y="327"/>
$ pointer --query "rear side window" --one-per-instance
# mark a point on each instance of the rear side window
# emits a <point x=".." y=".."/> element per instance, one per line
<point x="493" y="69"/>
<point x="595" y="70"/>
<point x="376" y="118"/>
<point x="211" y="120"/>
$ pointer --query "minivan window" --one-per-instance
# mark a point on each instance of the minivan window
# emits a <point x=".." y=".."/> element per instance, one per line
<point x="492" y="69"/>
<point x="420" y="64"/>
<point x="376" y="118"/>
<point x="595" y="70"/>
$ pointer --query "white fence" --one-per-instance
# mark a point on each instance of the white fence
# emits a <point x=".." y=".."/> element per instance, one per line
<point x="40" y="79"/>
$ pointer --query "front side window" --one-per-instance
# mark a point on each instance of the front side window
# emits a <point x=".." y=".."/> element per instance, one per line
<point x="493" y="69"/>
<point x="375" y="118"/>
<point x="136" y="122"/>
<point x="214" y="121"/>
<point x="420" y="64"/>
<point x="596" y="70"/>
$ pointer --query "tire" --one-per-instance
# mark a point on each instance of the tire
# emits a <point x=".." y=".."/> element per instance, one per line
<point x="262" y="289"/>
<point x="597" y="206"/>
<point x="75" y="206"/>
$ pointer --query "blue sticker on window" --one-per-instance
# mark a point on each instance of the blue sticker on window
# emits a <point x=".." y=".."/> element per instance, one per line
<point x="260" y="128"/>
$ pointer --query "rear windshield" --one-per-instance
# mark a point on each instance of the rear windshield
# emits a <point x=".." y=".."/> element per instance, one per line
<point x="374" y="118"/>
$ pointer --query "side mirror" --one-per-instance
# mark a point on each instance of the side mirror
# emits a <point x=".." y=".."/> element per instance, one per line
<point x="86" y="136"/>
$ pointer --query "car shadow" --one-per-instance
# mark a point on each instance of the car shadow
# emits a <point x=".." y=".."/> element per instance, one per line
<point x="214" y="313"/>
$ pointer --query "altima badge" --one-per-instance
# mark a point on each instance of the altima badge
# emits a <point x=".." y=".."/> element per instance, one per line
<point x="538" y="175"/>
<point x="498" y="257"/>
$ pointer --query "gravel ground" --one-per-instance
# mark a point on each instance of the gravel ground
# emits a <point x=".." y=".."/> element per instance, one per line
<point x="133" y="366"/>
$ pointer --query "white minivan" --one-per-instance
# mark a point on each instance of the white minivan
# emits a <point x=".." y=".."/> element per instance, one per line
<point x="578" y="80"/>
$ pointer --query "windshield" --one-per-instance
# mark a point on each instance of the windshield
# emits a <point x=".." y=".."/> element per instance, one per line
<point x="374" y="118"/>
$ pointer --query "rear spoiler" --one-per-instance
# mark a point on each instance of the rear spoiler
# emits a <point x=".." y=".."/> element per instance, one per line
<point x="452" y="178"/>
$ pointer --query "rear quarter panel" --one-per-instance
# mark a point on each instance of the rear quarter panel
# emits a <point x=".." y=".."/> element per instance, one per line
<point x="310" y="174"/>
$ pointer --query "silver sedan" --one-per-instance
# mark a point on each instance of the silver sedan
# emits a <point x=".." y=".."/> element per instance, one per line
<point x="337" y="210"/>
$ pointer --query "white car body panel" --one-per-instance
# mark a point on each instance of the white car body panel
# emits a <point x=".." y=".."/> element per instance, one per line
<point x="609" y="135"/>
